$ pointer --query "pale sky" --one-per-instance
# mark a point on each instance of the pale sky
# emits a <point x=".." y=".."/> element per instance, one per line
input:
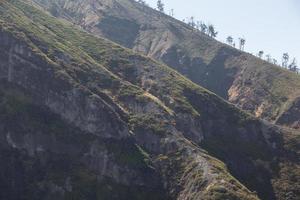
<point x="269" y="25"/>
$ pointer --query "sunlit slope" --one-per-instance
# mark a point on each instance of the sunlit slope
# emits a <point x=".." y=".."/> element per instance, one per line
<point x="265" y="90"/>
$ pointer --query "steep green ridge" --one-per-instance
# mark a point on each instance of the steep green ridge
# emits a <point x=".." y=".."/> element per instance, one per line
<point x="43" y="157"/>
<point x="254" y="85"/>
<point x="164" y="120"/>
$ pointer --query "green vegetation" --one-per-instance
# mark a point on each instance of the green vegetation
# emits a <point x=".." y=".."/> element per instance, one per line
<point x="91" y="51"/>
<point x="128" y="91"/>
<point x="129" y="154"/>
<point x="127" y="79"/>
<point x="190" y="174"/>
<point x="146" y="122"/>
<point x="87" y="52"/>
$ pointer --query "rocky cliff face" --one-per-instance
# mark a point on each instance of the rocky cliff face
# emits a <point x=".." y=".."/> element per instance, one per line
<point x="84" y="118"/>
<point x="252" y="84"/>
<point x="291" y="115"/>
<point x="60" y="140"/>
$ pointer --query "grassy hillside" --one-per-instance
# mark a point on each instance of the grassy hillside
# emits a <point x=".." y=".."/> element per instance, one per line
<point x="252" y="84"/>
<point x="170" y="127"/>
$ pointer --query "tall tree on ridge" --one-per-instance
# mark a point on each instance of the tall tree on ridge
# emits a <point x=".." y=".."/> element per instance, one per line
<point x="172" y="12"/>
<point x="242" y="43"/>
<point x="229" y="40"/>
<point x="192" y="22"/>
<point x="293" y="66"/>
<point x="269" y="58"/>
<point x="260" y="54"/>
<point x="203" y="27"/>
<point x="198" y="25"/>
<point x="160" y="6"/>
<point x="285" y="60"/>
<point x="211" y="31"/>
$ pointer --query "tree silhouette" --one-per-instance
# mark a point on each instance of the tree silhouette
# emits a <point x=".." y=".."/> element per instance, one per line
<point x="203" y="27"/>
<point x="242" y="43"/>
<point x="211" y="31"/>
<point x="285" y="60"/>
<point x="293" y="66"/>
<point x="260" y="54"/>
<point x="198" y="25"/>
<point x="269" y="58"/>
<point x="229" y="40"/>
<point x="172" y="12"/>
<point x="160" y="6"/>
<point x="192" y="22"/>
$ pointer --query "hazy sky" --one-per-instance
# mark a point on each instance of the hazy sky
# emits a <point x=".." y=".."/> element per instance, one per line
<point x="269" y="25"/>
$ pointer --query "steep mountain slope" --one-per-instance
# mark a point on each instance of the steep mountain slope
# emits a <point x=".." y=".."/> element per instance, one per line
<point x="83" y="118"/>
<point x="252" y="84"/>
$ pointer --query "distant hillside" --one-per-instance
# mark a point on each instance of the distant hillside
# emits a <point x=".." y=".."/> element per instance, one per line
<point x="85" y="118"/>
<point x="252" y="84"/>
